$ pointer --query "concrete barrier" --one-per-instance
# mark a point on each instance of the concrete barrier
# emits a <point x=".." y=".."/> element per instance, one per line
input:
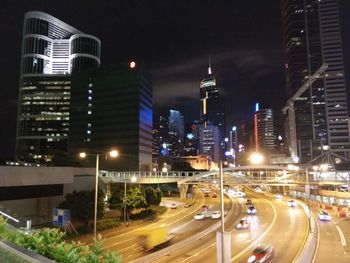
<point x="309" y="249"/>
<point x="173" y="248"/>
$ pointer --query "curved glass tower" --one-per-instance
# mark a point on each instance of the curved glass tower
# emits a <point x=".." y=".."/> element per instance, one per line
<point x="51" y="51"/>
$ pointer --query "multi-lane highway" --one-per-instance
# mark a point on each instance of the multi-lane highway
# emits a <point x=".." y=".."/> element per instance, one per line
<point x="179" y="222"/>
<point x="334" y="239"/>
<point x="284" y="227"/>
<point x="275" y="223"/>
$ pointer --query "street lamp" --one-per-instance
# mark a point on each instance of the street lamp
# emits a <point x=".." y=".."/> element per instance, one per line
<point x="112" y="154"/>
<point x="133" y="179"/>
<point x="256" y="158"/>
<point x="233" y="145"/>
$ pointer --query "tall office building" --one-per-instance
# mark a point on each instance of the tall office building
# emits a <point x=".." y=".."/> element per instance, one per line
<point x="212" y="103"/>
<point x="209" y="142"/>
<point x="112" y="108"/>
<point x="51" y="51"/>
<point x="176" y="133"/>
<point x="264" y="131"/>
<point x="212" y="109"/>
<point x="312" y="37"/>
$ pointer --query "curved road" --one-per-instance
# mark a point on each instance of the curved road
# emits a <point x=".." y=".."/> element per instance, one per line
<point x="275" y="223"/>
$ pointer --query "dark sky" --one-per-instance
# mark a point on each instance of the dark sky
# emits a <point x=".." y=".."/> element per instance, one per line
<point x="174" y="39"/>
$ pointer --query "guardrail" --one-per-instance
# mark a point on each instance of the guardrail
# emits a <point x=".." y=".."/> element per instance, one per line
<point x="14" y="252"/>
<point x="173" y="248"/>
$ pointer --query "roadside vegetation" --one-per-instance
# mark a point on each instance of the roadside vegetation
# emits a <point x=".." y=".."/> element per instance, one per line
<point x="50" y="243"/>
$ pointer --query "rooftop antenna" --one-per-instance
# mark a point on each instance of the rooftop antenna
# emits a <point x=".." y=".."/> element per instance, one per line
<point x="209" y="68"/>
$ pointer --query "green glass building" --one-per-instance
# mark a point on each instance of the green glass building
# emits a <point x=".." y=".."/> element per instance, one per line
<point x="111" y="107"/>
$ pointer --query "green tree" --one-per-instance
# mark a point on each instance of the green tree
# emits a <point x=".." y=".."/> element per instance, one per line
<point x="153" y="196"/>
<point x="82" y="204"/>
<point x="135" y="199"/>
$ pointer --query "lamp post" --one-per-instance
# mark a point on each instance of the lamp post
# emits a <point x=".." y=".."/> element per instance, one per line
<point x="308" y="196"/>
<point x="133" y="180"/>
<point x="113" y="154"/>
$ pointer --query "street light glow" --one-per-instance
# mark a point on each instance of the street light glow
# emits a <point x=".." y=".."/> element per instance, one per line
<point x="234" y="128"/>
<point x="256" y="158"/>
<point x="82" y="155"/>
<point x="133" y="179"/>
<point x="113" y="153"/>
<point x="132" y="64"/>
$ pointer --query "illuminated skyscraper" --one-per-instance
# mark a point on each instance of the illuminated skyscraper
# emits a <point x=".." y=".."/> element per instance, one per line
<point x="209" y="142"/>
<point x="213" y="107"/>
<point x="176" y="133"/>
<point x="51" y="51"/>
<point x="312" y="37"/>
<point x="264" y="131"/>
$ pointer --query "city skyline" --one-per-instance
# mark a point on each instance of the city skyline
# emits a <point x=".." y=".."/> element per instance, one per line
<point x="176" y="67"/>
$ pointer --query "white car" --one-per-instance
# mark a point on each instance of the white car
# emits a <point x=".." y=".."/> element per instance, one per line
<point x="251" y="210"/>
<point x="278" y="196"/>
<point x="199" y="216"/>
<point x="292" y="203"/>
<point x="258" y="189"/>
<point x="240" y="194"/>
<point x="215" y="215"/>
<point x="243" y="224"/>
<point x="324" y="216"/>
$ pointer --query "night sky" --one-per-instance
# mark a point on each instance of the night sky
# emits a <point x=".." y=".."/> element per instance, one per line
<point x="174" y="39"/>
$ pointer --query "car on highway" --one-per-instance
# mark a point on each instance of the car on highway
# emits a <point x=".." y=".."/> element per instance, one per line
<point x="251" y="210"/>
<point x="324" y="216"/>
<point x="216" y="215"/>
<point x="249" y="202"/>
<point x="187" y="205"/>
<point x="292" y="203"/>
<point x="239" y="194"/>
<point x="278" y="196"/>
<point x="214" y="195"/>
<point x="173" y="205"/>
<point x="243" y="224"/>
<point x="199" y="216"/>
<point x="261" y="254"/>
<point x="258" y="189"/>
<point x="206" y="194"/>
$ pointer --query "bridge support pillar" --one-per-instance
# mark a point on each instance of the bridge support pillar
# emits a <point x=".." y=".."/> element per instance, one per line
<point x="183" y="191"/>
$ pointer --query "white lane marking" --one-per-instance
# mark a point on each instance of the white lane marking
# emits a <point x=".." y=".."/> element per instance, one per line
<point x="342" y="237"/>
<point x="194" y="255"/>
<point x="117" y="243"/>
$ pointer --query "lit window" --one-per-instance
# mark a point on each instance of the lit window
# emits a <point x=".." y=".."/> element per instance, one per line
<point x="89" y="112"/>
<point x="88" y="132"/>
<point x="90" y="85"/>
<point x="89" y="98"/>
<point x="90" y="91"/>
<point x="89" y="105"/>
<point x="89" y="125"/>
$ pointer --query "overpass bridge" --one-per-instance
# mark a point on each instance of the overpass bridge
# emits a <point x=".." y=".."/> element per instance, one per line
<point x="248" y="175"/>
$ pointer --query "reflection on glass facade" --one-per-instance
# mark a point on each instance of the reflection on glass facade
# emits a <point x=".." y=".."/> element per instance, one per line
<point x="112" y="108"/>
<point x="51" y="51"/>
<point x="312" y="36"/>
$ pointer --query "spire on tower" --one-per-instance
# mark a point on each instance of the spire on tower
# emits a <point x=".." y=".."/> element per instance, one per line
<point x="209" y="68"/>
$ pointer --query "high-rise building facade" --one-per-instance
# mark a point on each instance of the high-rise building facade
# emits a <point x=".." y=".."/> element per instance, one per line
<point x="176" y="133"/>
<point x="51" y="51"/>
<point x="312" y="37"/>
<point x="209" y="142"/>
<point x="212" y="109"/>
<point x="265" y="137"/>
<point x="112" y="108"/>
<point x="212" y="103"/>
